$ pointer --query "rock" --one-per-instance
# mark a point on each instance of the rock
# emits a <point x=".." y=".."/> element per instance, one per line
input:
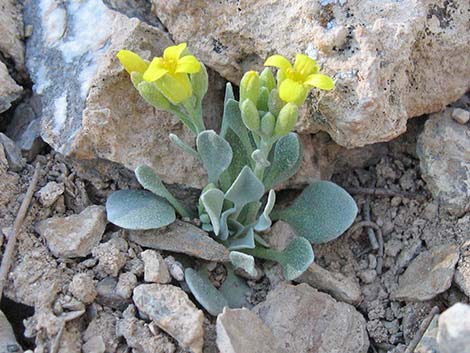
<point x="428" y="343"/>
<point x="462" y="272"/>
<point x="87" y="97"/>
<point x="126" y="284"/>
<point x="460" y="115"/>
<point x="94" y="345"/>
<point x="102" y="329"/>
<point x="435" y="269"/>
<point x="241" y="331"/>
<point x="155" y="269"/>
<point x="76" y="235"/>
<point x="13" y="154"/>
<point x="306" y="320"/>
<point x="83" y="288"/>
<point x="111" y="256"/>
<point x="175" y="268"/>
<point x="444" y="152"/>
<point x="182" y="237"/>
<point x="11" y="27"/>
<point x="8" y="341"/>
<point x="139" y="336"/>
<point x="340" y="287"/>
<point x="50" y="192"/>
<point x="108" y="294"/>
<point x="170" y="308"/>
<point x="391" y="61"/>
<point x="10" y="91"/>
<point x="453" y="333"/>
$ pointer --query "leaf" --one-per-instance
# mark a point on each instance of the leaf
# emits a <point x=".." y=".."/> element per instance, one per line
<point x="247" y="241"/>
<point x="243" y="261"/>
<point x="321" y="213"/>
<point x="264" y="222"/>
<point x="295" y="259"/>
<point x="224" y="229"/>
<point x="228" y="92"/>
<point x="139" y="209"/>
<point x="182" y="145"/>
<point x="205" y="292"/>
<point x="245" y="189"/>
<point x="213" y="201"/>
<point x="259" y="158"/>
<point x="286" y="160"/>
<point x="215" y="153"/>
<point x="235" y="290"/>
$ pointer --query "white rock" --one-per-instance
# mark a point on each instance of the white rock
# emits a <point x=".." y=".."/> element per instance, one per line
<point x="49" y="193"/>
<point x="453" y="333"/>
<point x="83" y="288"/>
<point x="76" y="235"/>
<point x="461" y="116"/>
<point x="126" y="284"/>
<point x="155" y="269"/>
<point x="111" y="256"/>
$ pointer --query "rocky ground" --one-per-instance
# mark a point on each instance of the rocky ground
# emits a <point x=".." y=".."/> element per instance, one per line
<point x="400" y="275"/>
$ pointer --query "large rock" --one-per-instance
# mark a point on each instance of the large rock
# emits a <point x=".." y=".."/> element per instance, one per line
<point x="10" y="91"/>
<point x="11" y="28"/>
<point x="444" y="152"/>
<point x="90" y="109"/>
<point x="391" y="60"/>
<point x="306" y="320"/>
<point x="453" y="333"/>
<point x="170" y="308"/>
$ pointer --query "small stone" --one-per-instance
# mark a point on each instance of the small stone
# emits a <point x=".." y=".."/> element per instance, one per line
<point x="368" y="276"/>
<point x="175" y="268"/>
<point x="442" y="260"/>
<point x="306" y="320"/>
<point x="83" y="288"/>
<point x="49" y="193"/>
<point x="337" y="285"/>
<point x="182" y="237"/>
<point x="94" y="345"/>
<point x="10" y="91"/>
<point x="280" y="235"/>
<point x="460" y="115"/>
<point x="111" y="256"/>
<point x="241" y="331"/>
<point x="108" y="296"/>
<point x="170" y="308"/>
<point x="428" y="343"/>
<point x="126" y="284"/>
<point x="76" y="235"/>
<point x="12" y="152"/>
<point x="462" y="273"/>
<point x="453" y="333"/>
<point x="155" y="269"/>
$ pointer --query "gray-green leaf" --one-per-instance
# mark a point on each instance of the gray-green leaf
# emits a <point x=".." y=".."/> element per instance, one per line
<point x="235" y="290"/>
<point x="213" y="201"/>
<point x="139" y="209"/>
<point x="243" y="261"/>
<point x="245" y="189"/>
<point x="321" y="213"/>
<point x="264" y="222"/>
<point x="215" y="153"/>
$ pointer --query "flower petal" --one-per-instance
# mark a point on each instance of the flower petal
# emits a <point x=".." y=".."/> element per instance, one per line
<point x="188" y="64"/>
<point x="132" y="62"/>
<point x="155" y="70"/>
<point x="305" y="65"/>
<point x="321" y="81"/>
<point x="278" y="61"/>
<point x="175" y="87"/>
<point x="174" y="52"/>
<point x="292" y="92"/>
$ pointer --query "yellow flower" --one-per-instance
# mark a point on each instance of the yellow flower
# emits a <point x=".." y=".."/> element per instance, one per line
<point x="170" y="72"/>
<point x="296" y="81"/>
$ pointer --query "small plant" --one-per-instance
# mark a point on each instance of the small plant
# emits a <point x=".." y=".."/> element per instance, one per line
<point x="254" y="152"/>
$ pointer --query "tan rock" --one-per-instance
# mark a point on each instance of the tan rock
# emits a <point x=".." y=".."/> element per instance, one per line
<point x="10" y="91"/>
<point x="11" y="27"/>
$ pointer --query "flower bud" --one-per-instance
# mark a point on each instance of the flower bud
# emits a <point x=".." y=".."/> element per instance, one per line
<point x="287" y="119"/>
<point x="263" y="99"/>
<point x="250" y="115"/>
<point x="275" y="103"/>
<point x="153" y="96"/>
<point x="200" y="82"/>
<point x="249" y="87"/>
<point x="268" y="122"/>
<point x="267" y="79"/>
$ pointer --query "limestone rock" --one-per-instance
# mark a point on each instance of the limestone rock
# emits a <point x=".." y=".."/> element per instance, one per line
<point x="126" y="284"/>
<point x="182" y="237"/>
<point x="76" y="235"/>
<point x="10" y="91"/>
<point x="460" y="115"/>
<point x="83" y="288"/>
<point x="50" y="192"/>
<point x="428" y="343"/>
<point x="444" y="152"/>
<point x="8" y="342"/>
<point x="170" y="308"/>
<point x="435" y="269"/>
<point x="111" y="256"/>
<point x="241" y="331"/>
<point x="13" y="153"/>
<point x="11" y="27"/>
<point x="453" y="333"/>
<point x="462" y="272"/>
<point x="391" y="61"/>
<point x="155" y="269"/>
<point x="306" y="320"/>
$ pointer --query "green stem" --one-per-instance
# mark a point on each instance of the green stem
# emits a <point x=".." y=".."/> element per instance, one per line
<point x="177" y="205"/>
<point x="195" y="114"/>
<point x="265" y="148"/>
<point x="186" y="120"/>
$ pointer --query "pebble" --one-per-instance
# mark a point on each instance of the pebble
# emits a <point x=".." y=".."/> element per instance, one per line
<point x="15" y="161"/>
<point x="442" y="260"/>
<point x="94" y="345"/>
<point x="155" y="268"/>
<point x="76" y="235"/>
<point x="453" y="333"/>
<point x="460" y="115"/>
<point x="83" y="288"/>
<point x="126" y="283"/>
<point x="108" y="296"/>
<point x="306" y="320"/>
<point x="175" y="268"/>
<point x="241" y="331"/>
<point x="170" y="308"/>
<point x="49" y="193"/>
<point x="112" y="256"/>
<point x="462" y="273"/>
<point x="368" y="276"/>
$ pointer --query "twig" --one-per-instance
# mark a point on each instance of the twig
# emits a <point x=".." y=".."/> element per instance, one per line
<point x="381" y="192"/>
<point x="380" y="253"/>
<point x="10" y="247"/>
<point x="67" y="317"/>
<point x="422" y="329"/>
<point x="370" y="230"/>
